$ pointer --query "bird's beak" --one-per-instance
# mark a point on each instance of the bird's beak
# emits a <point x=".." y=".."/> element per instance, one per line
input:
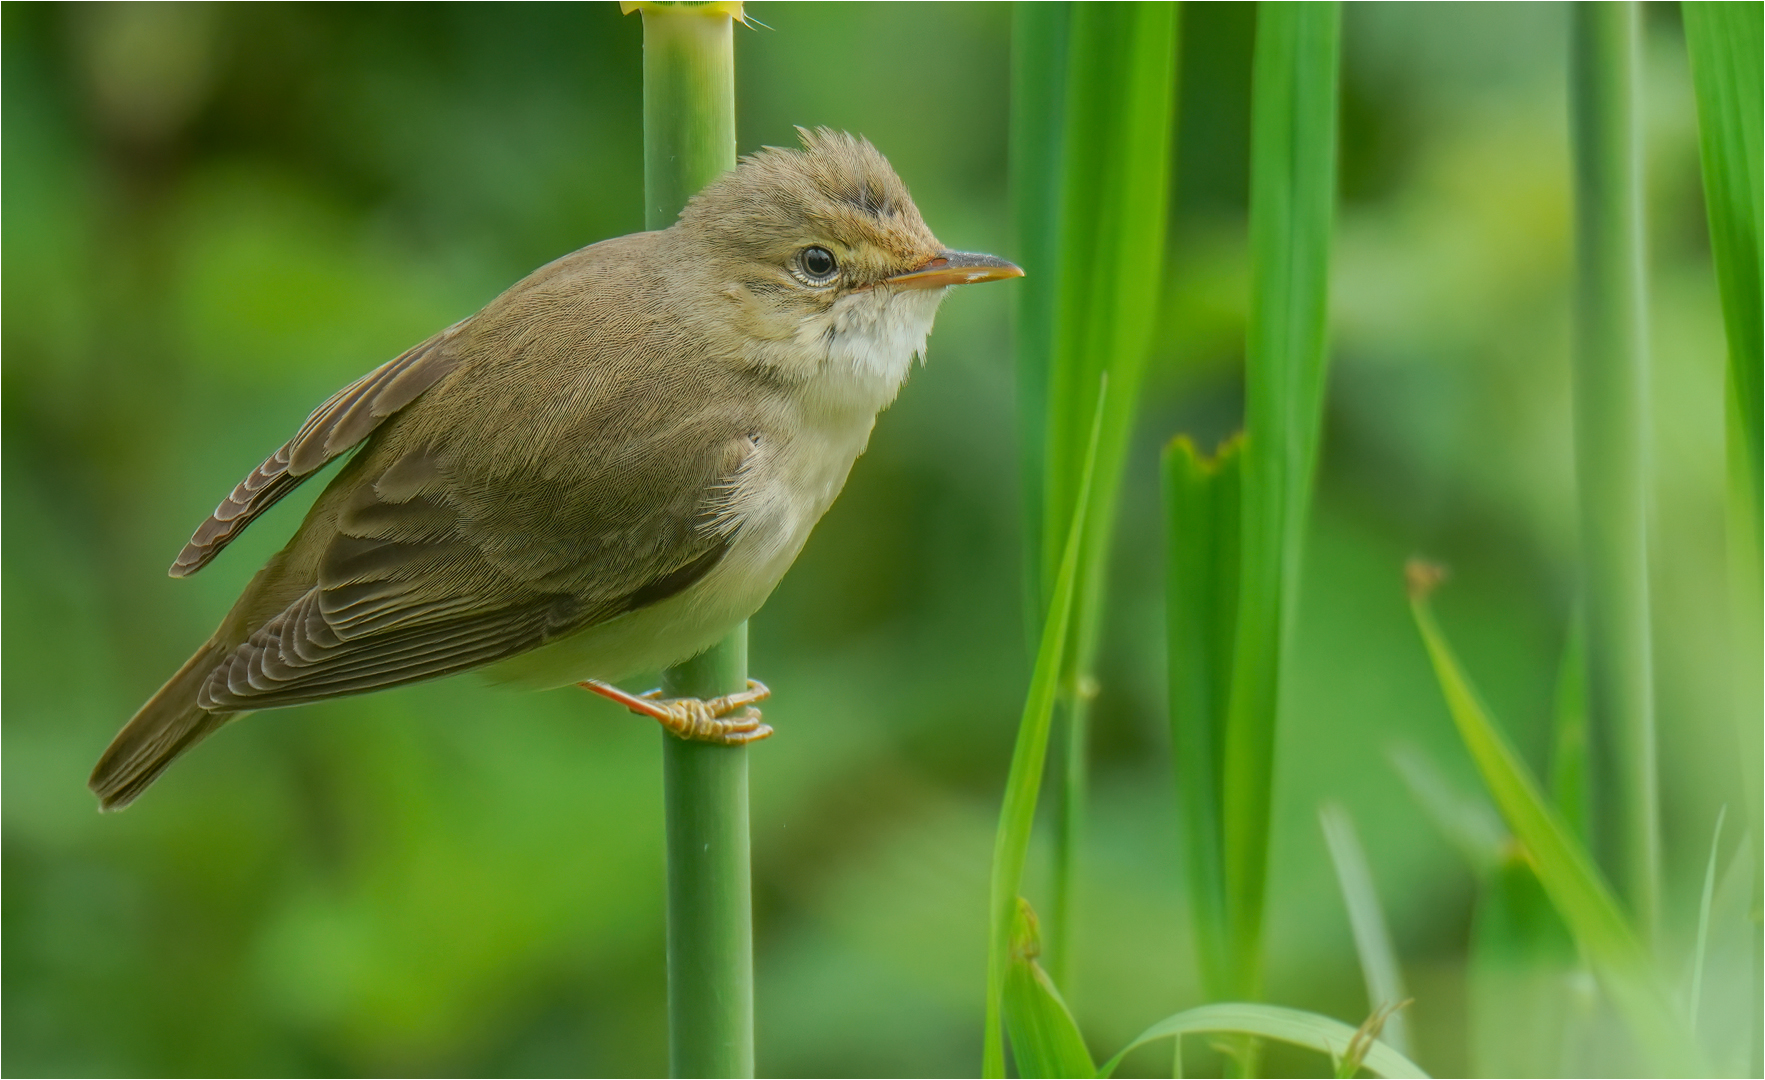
<point x="956" y="268"/>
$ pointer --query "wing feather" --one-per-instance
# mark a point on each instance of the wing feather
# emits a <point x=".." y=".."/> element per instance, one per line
<point x="345" y="419"/>
<point x="410" y="586"/>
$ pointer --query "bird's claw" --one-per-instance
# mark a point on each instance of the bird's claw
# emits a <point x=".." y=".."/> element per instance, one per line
<point x="730" y="720"/>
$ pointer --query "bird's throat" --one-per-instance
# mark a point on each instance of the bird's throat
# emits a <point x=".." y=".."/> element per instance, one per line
<point x="877" y="333"/>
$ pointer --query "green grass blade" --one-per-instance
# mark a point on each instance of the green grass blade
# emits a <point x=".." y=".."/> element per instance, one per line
<point x="1045" y="1041"/>
<point x="1611" y="445"/>
<point x="1366" y="919"/>
<point x="1723" y="42"/>
<point x="1466" y="820"/>
<point x="1292" y="201"/>
<point x="1728" y="1016"/>
<point x="1701" y="949"/>
<point x="1202" y="516"/>
<point x="1564" y="868"/>
<point x="1320" y="1033"/>
<point x="1115" y="191"/>
<point x="1018" y="812"/>
<point x="1521" y="976"/>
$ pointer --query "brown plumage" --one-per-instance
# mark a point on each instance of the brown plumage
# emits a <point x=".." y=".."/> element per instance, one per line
<point x="598" y="474"/>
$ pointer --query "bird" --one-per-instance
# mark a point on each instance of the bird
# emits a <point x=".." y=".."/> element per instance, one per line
<point x="599" y="474"/>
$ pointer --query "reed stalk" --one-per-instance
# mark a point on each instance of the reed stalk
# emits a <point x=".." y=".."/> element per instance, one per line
<point x="1612" y="447"/>
<point x="689" y="140"/>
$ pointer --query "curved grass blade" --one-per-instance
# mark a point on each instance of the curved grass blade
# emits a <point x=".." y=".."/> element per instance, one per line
<point x="1563" y="866"/>
<point x="1310" y="1030"/>
<point x="1017" y="814"/>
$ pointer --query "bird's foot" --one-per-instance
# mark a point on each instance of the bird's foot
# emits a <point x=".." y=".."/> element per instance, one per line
<point x="730" y="720"/>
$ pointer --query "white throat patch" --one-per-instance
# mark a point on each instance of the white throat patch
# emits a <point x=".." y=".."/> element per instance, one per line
<point x="877" y="333"/>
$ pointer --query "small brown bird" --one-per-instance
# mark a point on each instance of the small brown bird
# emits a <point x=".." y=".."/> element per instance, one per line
<point x="599" y="474"/>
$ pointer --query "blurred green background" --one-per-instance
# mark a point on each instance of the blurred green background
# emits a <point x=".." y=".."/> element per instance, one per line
<point x="216" y="215"/>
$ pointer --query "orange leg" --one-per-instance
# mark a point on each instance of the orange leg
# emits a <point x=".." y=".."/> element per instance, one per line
<point x="692" y="718"/>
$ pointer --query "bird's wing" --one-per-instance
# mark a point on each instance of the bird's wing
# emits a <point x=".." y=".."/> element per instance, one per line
<point x="344" y="420"/>
<point x="437" y="565"/>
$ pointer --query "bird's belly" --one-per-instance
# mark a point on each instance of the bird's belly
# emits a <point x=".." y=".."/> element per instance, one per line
<point x="779" y="505"/>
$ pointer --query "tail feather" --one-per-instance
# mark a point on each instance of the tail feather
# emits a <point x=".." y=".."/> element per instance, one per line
<point x="170" y="723"/>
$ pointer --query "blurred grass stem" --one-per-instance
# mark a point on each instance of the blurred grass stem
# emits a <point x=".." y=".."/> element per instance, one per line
<point x="689" y="139"/>
<point x="1612" y="438"/>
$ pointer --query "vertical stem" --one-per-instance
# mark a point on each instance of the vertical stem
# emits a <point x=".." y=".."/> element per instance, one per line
<point x="1611" y="443"/>
<point x="710" y="914"/>
<point x="689" y="139"/>
<point x="1292" y="208"/>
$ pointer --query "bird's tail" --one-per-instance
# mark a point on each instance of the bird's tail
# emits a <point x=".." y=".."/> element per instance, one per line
<point x="170" y="723"/>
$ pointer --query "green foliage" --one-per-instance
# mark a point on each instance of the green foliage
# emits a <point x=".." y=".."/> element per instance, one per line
<point x="1612" y="439"/>
<point x="1018" y="813"/>
<point x="1724" y="43"/>
<point x="1202" y="519"/>
<point x="1045" y="1041"/>
<point x="1305" y="1029"/>
<point x="1366" y="918"/>
<point x="1091" y="141"/>
<point x="1292" y="210"/>
<point x="1563" y="866"/>
<point x="1528" y="999"/>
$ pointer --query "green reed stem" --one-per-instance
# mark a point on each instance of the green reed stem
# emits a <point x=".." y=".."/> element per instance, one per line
<point x="1611" y="442"/>
<point x="710" y="897"/>
<point x="689" y="140"/>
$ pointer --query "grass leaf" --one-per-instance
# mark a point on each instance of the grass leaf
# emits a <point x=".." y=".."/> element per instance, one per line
<point x="1700" y="949"/>
<point x="1044" y="1038"/>
<point x="1366" y="918"/>
<point x="1201" y="608"/>
<point x="1017" y="814"/>
<point x="1320" y="1033"/>
<point x="1723" y="41"/>
<point x="1466" y="820"/>
<point x="1563" y="866"/>
<point x="1292" y="204"/>
<point x="1114" y="189"/>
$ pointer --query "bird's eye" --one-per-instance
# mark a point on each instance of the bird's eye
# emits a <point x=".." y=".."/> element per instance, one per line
<point x="818" y="263"/>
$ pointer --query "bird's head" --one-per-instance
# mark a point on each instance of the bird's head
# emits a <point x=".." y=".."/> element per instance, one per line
<point x="825" y="260"/>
